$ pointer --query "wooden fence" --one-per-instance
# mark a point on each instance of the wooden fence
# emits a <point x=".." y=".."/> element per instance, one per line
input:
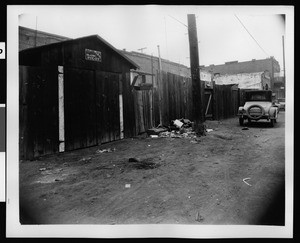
<point x="225" y="101"/>
<point x="220" y="102"/>
<point x="100" y="107"/>
<point x="176" y="97"/>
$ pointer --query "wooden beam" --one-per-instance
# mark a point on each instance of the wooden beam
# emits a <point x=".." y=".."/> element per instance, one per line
<point x="61" y="109"/>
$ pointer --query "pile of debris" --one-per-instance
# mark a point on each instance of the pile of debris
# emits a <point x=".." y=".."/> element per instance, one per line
<point x="179" y="128"/>
<point x="182" y="133"/>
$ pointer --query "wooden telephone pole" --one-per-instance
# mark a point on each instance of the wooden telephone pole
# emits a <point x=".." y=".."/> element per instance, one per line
<point x="197" y="89"/>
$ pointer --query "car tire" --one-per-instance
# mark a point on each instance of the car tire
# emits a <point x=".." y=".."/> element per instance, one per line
<point x="252" y="106"/>
<point x="241" y="120"/>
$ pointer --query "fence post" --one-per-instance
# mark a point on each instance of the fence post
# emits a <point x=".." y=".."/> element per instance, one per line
<point x="213" y="105"/>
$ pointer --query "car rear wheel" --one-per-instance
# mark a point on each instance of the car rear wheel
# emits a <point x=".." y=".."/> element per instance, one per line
<point x="241" y="120"/>
<point x="272" y="121"/>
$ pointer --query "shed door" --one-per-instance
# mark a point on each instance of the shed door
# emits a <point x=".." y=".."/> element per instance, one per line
<point x="80" y="108"/>
<point x="108" y="106"/>
<point x="38" y="111"/>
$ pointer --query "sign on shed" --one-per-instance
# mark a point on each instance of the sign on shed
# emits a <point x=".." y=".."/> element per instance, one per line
<point x="92" y="55"/>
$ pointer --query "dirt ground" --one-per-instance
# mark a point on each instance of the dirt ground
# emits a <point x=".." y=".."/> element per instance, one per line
<point x="174" y="181"/>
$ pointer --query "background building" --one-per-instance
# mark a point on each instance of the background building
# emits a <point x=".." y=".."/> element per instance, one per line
<point x="259" y="80"/>
<point x="29" y="38"/>
<point x="254" y="66"/>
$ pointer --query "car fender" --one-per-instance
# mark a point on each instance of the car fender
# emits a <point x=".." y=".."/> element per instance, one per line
<point x="273" y="112"/>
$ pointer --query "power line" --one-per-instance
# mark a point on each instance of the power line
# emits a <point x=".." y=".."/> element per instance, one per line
<point x="178" y="21"/>
<point x="251" y="36"/>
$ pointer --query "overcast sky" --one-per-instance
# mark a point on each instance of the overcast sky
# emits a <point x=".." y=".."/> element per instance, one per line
<point x="221" y="35"/>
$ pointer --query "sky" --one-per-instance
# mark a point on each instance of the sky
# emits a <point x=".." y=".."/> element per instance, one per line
<point x="225" y="33"/>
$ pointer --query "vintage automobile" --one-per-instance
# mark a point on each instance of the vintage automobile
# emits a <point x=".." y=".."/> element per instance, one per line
<point x="258" y="105"/>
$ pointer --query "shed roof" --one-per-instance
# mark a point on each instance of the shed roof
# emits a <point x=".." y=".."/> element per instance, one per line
<point x="40" y="48"/>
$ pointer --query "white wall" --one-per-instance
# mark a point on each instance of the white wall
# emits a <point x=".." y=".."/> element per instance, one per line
<point x="244" y="80"/>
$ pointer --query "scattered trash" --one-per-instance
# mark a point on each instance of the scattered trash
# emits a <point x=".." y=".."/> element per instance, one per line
<point x="42" y="169"/>
<point x="183" y="133"/>
<point x="127" y="185"/>
<point x="189" y="197"/>
<point x="156" y="131"/>
<point x="186" y="122"/>
<point x="178" y="123"/>
<point x="193" y="141"/>
<point x="149" y="145"/>
<point x="154" y="136"/>
<point x="199" y="218"/>
<point x="109" y="150"/>
<point x="245" y="180"/>
<point x="256" y="136"/>
<point x="108" y="175"/>
<point x="245" y="128"/>
<point x="57" y="180"/>
<point x="209" y="130"/>
<point x="133" y="160"/>
<point x="86" y="159"/>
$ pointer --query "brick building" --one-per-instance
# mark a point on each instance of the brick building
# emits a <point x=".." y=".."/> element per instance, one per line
<point x="29" y="38"/>
<point x="149" y="62"/>
<point x="254" y="66"/>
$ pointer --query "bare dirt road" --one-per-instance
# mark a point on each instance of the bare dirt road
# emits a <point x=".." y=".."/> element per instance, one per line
<point x="229" y="176"/>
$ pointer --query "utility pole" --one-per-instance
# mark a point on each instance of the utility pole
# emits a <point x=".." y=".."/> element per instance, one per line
<point x="197" y="90"/>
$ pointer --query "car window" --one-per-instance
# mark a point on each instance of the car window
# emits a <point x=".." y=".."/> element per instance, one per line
<point x="254" y="97"/>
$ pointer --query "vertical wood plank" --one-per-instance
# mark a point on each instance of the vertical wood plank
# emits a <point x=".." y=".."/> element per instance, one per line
<point x="61" y="109"/>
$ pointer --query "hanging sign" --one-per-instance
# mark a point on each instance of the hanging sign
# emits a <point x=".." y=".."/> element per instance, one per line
<point x="92" y="55"/>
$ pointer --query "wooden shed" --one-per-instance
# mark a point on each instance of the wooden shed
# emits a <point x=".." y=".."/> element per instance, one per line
<point x="73" y="94"/>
